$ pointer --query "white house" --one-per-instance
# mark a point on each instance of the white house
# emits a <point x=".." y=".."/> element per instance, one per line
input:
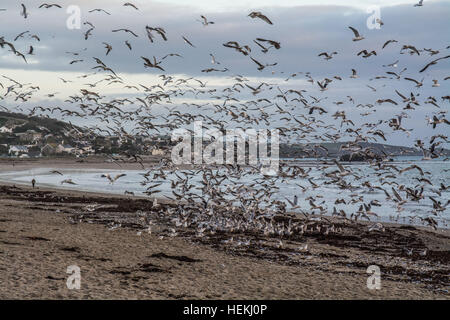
<point x="158" y="152"/>
<point x="18" y="150"/>
<point x="6" y="130"/>
<point x="65" y="148"/>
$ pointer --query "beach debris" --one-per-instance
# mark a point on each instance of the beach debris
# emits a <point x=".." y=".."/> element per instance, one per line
<point x="376" y="227"/>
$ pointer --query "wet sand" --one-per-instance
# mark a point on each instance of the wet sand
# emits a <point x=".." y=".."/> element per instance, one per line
<point x="43" y="231"/>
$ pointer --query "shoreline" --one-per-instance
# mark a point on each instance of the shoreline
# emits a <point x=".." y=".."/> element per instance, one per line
<point x="101" y="163"/>
<point x="46" y="230"/>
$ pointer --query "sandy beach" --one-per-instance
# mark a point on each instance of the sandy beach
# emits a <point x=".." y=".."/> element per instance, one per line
<point x="43" y="231"/>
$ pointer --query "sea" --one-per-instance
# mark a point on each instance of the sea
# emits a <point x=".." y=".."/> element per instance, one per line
<point x="437" y="172"/>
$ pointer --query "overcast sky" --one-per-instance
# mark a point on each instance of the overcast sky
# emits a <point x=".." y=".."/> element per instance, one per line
<point x="304" y="29"/>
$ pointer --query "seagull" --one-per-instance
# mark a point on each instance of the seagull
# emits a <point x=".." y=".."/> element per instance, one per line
<point x="128" y="4"/>
<point x="47" y="6"/>
<point x="107" y="47"/>
<point x="20" y="35"/>
<point x="354" y="75"/>
<point x="418" y="83"/>
<point x="411" y="49"/>
<point x="154" y="64"/>
<point x="99" y="10"/>
<point x="257" y="14"/>
<point x="205" y="21"/>
<point x="187" y="41"/>
<point x="357" y="37"/>
<point x="366" y="54"/>
<point x="433" y="62"/>
<point x="213" y="59"/>
<point x="420" y="4"/>
<point x="387" y="42"/>
<point x="326" y="55"/>
<point x="24" y="11"/>
<point x="393" y="64"/>
<point x="126" y="30"/>
<point x="112" y="180"/>
<point x="275" y="44"/>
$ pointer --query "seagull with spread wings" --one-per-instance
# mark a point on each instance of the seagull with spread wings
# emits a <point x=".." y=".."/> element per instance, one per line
<point x="257" y="14"/>
<point x="126" y="30"/>
<point x="99" y="10"/>
<point x="112" y="180"/>
<point x="433" y="62"/>
<point x="205" y="21"/>
<point x="129" y="4"/>
<point x="48" y="6"/>
<point x="357" y="37"/>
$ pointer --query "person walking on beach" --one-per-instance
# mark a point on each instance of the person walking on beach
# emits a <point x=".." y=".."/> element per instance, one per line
<point x="33" y="182"/>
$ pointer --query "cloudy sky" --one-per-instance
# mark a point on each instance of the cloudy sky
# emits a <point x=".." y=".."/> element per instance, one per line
<point x="304" y="28"/>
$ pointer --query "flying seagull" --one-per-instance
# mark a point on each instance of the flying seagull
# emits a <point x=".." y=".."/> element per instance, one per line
<point x="188" y="42"/>
<point x="47" y="6"/>
<point x="327" y="56"/>
<point x="357" y="37"/>
<point x="205" y="21"/>
<point x="387" y="42"/>
<point x="433" y="62"/>
<point x="126" y="30"/>
<point x="112" y="180"/>
<point x="128" y="4"/>
<point x="257" y="14"/>
<point x="24" y="11"/>
<point x="99" y="10"/>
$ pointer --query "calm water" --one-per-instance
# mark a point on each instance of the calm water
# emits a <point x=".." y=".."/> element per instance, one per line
<point x="326" y="195"/>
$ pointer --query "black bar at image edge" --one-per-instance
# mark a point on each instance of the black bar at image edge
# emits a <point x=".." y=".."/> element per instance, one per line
<point x="220" y="309"/>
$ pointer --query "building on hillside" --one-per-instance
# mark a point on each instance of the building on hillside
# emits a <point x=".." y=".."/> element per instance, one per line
<point x="6" y="130"/>
<point x="48" y="150"/>
<point x="34" y="154"/>
<point x="85" y="150"/>
<point x="30" y="136"/>
<point x="18" y="150"/>
<point x="66" y="148"/>
<point x="158" y="152"/>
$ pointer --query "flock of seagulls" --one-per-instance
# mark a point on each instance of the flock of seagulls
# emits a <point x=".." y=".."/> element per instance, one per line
<point x="301" y="113"/>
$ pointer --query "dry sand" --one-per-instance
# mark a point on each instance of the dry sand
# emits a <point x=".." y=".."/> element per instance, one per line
<point x="44" y="231"/>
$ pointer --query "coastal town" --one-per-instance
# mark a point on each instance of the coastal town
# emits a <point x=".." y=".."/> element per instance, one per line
<point x="30" y="137"/>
